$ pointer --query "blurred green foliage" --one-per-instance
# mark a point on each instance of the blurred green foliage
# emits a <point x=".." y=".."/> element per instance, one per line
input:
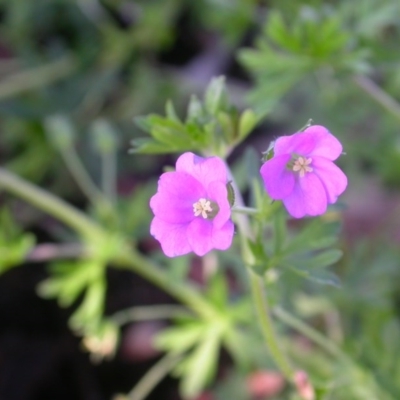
<point x="75" y="73"/>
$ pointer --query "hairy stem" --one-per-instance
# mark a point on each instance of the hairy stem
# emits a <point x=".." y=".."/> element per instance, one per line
<point x="264" y="318"/>
<point x="153" y="377"/>
<point x="244" y="210"/>
<point x="109" y="176"/>
<point x="145" y="313"/>
<point x="49" y="203"/>
<point x="378" y="94"/>
<point x="260" y="300"/>
<point x="81" y="176"/>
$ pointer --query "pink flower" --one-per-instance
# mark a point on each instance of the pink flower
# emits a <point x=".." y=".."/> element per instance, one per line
<point x="302" y="173"/>
<point x="191" y="207"/>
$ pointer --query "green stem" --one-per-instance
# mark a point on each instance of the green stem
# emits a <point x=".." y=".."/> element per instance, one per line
<point x="153" y="377"/>
<point x="181" y="291"/>
<point x="143" y="313"/>
<point x="260" y="300"/>
<point x="127" y="258"/>
<point x="49" y="203"/>
<point x="81" y="176"/>
<point x="378" y="94"/>
<point x="265" y="321"/>
<point x="109" y="173"/>
<point x="245" y="210"/>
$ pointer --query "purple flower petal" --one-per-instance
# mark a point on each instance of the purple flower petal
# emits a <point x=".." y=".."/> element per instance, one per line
<point x="218" y="193"/>
<point x="307" y="198"/>
<point x="278" y="180"/>
<point x="326" y="145"/>
<point x="222" y="238"/>
<point x="200" y="236"/>
<point x="177" y="191"/>
<point x="173" y="237"/>
<point x="299" y="143"/>
<point x="205" y="170"/>
<point x="331" y="176"/>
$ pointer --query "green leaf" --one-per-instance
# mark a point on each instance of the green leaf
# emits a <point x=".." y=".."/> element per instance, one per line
<point x="195" y="109"/>
<point x="258" y="261"/>
<point x="314" y="236"/>
<point x="215" y="97"/>
<point x="143" y="123"/>
<point x="322" y="277"/>
<point x="170" y="112"/>
<point x="14" y="243"/>
<point x="150" y="146"/>
<point x="200" y="366"/>
<point x="166" y="130"/>
<point x="227" y="125"/>
<point x="277" y="31"/>
<point x="179" y="338"/>
<point x="88" y="314"/>
<point x="211" y="126"/>
<point x="68" y="279"/>
<point x="217" y="290"/>
<point x="14" y="253"/>
<point x="287" y="53"/>
<point x="309" y="261"/>
<point x="248" y="121"/>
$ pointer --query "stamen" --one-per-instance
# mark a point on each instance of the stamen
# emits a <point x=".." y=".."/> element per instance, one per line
<point x="301" y="165"/>
<point x="201" y="207"/>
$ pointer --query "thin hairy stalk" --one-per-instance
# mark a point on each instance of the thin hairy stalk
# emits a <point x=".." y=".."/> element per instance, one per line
<point x="34" y="78"/>
<point x="153" y="377"/>
<point x="245" y="210"/>
<point x="378" y="94"/>
<point x="144" y="313"/>
<point x="109" y="176"/>
<point x="81" y="176"/>
<point x="264" y="318"/>
<point x="259" y="298"/>
<point x="49" y="203"/>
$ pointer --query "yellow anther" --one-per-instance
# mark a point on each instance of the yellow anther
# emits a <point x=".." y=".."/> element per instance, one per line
<point x="202" y="207"/>
<point x="301" y="165"/>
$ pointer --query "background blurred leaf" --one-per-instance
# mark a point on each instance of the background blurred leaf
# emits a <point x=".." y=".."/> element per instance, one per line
<point x="14" y="244"/>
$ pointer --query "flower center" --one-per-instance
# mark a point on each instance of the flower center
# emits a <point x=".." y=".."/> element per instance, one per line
<point x="202" y="207"/>
<point x="302" y="165"/>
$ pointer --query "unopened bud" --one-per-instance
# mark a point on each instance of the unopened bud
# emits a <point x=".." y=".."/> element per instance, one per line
<point x="104" y="137"/>
<point x="304" y="386"/>
<point x="60" y="131"/>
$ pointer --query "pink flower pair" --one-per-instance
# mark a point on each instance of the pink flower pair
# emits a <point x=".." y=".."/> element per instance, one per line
<point x="191" y="207"/>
